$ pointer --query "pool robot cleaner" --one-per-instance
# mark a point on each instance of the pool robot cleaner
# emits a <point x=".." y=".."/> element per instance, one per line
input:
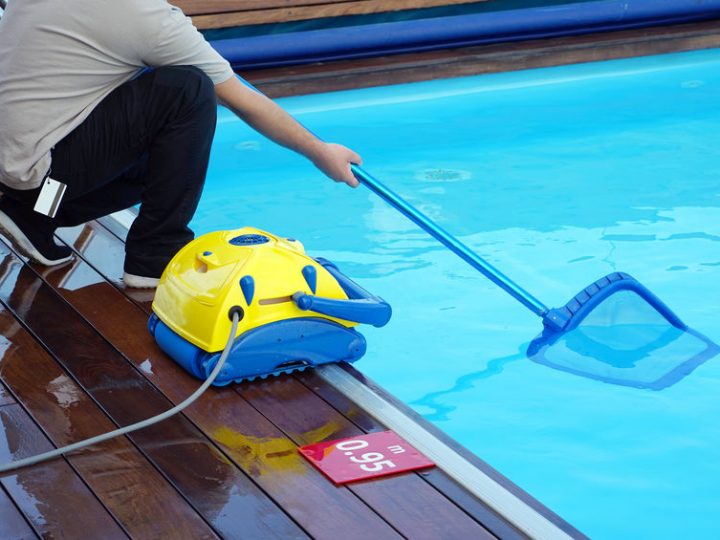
<point x="294" y="311"/>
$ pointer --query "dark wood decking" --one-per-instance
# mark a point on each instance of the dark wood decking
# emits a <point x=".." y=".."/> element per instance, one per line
<point x="78" y="361"/>
<point x="228" y="13"/>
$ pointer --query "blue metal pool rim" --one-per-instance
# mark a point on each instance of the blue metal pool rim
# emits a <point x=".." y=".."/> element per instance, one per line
<point x="459" y="31"/>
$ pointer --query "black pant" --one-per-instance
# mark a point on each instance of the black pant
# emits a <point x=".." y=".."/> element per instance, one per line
<point x="147" y="142"/>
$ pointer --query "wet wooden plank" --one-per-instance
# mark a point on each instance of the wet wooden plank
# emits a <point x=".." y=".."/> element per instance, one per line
<point x="411" y="505"/>
<point x="218" y="490"/>
<point x="55" y="500"/>
<point x="234" y="15"/>
<point x="482" y="59"/>
<point x="12" y="522"/>
<point x="246" y="436"/>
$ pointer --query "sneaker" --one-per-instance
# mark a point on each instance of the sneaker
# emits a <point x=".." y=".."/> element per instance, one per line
<point x="140" y="282"/>
<point x="31" y="234"/>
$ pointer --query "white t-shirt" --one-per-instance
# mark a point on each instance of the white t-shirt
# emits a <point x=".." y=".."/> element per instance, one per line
<point x="60" y="58"/>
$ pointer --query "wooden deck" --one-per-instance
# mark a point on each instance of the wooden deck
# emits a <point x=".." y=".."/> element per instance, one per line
<point x="208" y="14"/>
<point x="78" y="361"/>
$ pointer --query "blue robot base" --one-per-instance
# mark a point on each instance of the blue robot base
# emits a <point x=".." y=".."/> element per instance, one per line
<point x="280" y="347"/>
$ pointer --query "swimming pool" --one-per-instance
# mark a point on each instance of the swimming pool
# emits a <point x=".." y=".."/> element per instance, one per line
<point x="556" y="176"/>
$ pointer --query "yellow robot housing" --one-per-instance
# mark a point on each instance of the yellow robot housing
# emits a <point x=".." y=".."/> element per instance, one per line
<point x="295" y="311"/>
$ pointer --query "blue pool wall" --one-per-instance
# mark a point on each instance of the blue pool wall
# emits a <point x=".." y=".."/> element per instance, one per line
<point x="362" y="41"/>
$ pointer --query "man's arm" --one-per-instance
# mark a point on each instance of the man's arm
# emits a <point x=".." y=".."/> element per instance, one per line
<point x="264" y="115"/>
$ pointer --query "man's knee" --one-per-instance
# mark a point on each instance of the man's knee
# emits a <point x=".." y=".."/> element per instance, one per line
<point x="195" y="85"/>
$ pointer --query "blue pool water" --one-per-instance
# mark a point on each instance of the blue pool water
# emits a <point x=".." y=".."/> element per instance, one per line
<point x="558" y="177"/>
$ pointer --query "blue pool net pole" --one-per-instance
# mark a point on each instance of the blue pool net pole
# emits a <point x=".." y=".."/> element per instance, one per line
<point x="449" y="241"/>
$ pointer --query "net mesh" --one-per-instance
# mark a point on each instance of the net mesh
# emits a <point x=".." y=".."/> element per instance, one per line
<point x="625" y="340"/>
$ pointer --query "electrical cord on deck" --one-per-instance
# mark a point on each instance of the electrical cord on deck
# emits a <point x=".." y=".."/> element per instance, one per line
<point x="138" y="425"/>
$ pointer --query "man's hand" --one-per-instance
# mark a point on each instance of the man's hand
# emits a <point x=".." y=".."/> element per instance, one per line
<point x="334" y="160"/>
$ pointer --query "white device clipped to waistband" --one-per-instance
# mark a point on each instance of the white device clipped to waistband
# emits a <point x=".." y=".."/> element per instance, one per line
<point x="51" y="194"/>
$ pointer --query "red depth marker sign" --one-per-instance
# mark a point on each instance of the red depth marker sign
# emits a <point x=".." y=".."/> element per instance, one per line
<point x="365" y="456"/>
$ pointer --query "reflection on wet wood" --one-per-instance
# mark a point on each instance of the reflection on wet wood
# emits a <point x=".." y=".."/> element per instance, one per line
<point x="51" y="494"/>
<point x="116" y="228"/>
<point x="272" y="459"/>
<point x="5" y="397"/>
<point x="402" y="500"/>
<point x="99" y="245"/>
<point x="12" y="522"/>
